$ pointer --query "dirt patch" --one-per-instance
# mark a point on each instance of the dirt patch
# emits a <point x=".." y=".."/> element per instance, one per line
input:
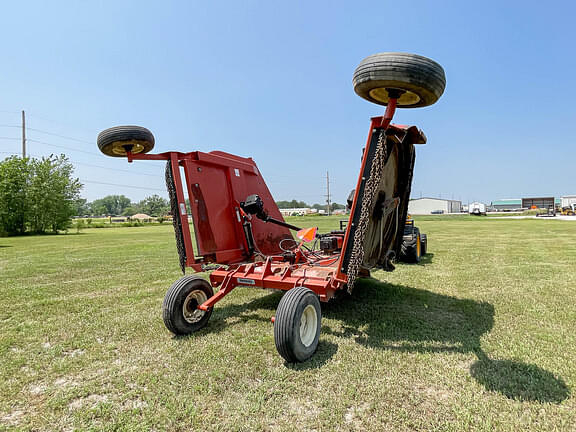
<point x="74" y="353"/>
<point x="89" y="401"/>
<point x="134" y="404"/>
<point x="65" y="382"/>
<point x="13" y="419"/>
<point x="37" y="389"/>
<point x="354" y="414"/>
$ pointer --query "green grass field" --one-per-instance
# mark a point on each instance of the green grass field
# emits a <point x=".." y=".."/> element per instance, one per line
<point x="480" y="336"/>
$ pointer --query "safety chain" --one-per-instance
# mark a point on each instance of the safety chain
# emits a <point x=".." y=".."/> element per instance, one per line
<point x="372" y="184"/>
<point x="170" y="186"/>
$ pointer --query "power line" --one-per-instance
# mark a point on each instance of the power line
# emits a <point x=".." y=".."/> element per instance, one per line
<point x="116" y="169"/>
<point x="60" y="146"/>
<point x="57" y="122"/>
<point x="121" y="185"/>
<point x="60" y="136"/>
<point x="9" y="138"/>
<point x="83" y="163"/>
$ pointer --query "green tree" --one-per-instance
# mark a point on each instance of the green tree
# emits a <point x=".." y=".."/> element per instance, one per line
<point x="154" y="205"/>
<point x="291" y="204"/>
<point x="111" y="205"/>
<point x="131" y="210"/>
<point x="14" y="178"/>
<point x="336" y="206"/>
<point x="37" y="194"/>
<point x="82" y="207"/>
<point x="52" y="194"/>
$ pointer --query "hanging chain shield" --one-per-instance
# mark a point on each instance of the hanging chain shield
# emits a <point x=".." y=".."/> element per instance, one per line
<point x="176" y="221"/>
<point x="380" y="213"/>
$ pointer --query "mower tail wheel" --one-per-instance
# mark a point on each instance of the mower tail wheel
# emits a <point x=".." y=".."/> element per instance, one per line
<point x="424" y="244"/>
<point x="179" y="309"/>
<point x="411" y="250"/>
<point x="118" y="140"/>
<point x="297" y="325"/>
<point x="415" y="80"/>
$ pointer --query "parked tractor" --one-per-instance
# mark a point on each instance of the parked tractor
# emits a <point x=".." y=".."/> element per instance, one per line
<point x="241" y="237"/>
<point x="414" y="243"/>
<point x="569" y="210"/>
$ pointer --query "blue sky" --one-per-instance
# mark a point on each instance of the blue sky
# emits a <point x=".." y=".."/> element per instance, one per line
<point x="272" y="80"/>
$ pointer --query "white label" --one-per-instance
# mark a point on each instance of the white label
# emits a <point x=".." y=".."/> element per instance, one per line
<point x="237" y="172"/>
<point x="182" y="209"/>
<point x="244" y="281"/>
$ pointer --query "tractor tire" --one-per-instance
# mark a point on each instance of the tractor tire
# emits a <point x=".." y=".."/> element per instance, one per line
<point x="424" y="244"/>
<point x="297" y="325"/>
<point x="117" y="140"/>
<point x="411" y="250"/>
<point x="179" y="309"/>
<point x="422" y="80"/>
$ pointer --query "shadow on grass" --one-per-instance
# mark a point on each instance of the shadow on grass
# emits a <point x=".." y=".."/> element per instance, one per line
<point x="401" y="318"/>
<point x="406" y="319"/>
<point x="325" y="352"/>
<point x="424" y="260"/>
<point x="231" y="314"/>
<point x="5" y="246"/>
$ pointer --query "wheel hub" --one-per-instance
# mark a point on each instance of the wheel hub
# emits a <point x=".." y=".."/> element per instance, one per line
<point x="308" y="325"/>
<point x="382" y="94"/>
<point x="119" y="147"/>
<point x="190" y="309"/>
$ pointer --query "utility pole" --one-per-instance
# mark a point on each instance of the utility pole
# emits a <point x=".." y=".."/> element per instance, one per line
<point x="328" y="193"/>
<point x="23" y="134"/>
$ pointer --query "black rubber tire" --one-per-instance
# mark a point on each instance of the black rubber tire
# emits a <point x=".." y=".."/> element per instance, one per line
<point x="422" y="79"/>
<point x="409" y="250"/>
<point x="116" y="140"/>
<point x="350" y="199"/>
<point x="174" y="302"/>
<point x="423" y="244"/>
<point x="288" y="321"/>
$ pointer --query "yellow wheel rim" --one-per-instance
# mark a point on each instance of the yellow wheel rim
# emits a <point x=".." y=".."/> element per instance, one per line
<point x="137" y="147"/>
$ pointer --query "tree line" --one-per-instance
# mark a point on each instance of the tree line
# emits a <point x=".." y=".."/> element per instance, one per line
<point x="42" y="195"/>
<point x="120" y="205"/>
<point x="301" y="204"/>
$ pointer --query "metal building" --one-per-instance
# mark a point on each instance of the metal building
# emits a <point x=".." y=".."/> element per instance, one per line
<point x="541" y="202"/>
<point x="433" y="206"/>
<point x="507" y="204"/>
<point x="568" y="200"/>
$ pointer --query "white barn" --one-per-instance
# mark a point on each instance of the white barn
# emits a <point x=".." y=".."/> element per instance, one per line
<point x="433" y="206"/>
<point x="568" y="200"/>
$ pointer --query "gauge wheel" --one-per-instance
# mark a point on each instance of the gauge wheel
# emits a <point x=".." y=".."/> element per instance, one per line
<point x="118" y="140"/>
<point x="424" y="244"/>
<point x="180" y="307"/>
<point x="415" y="80"/>
<point x="297" y="325"/>
<point x="411" y="250"/>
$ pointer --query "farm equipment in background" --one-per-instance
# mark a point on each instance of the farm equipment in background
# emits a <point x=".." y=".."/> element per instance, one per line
<point x="550" y="211"/>
<point x="477" y="209"/>
<point x="414" y="243"/>
<point x="569" y="210"/>
<point x="242" y="238"/>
